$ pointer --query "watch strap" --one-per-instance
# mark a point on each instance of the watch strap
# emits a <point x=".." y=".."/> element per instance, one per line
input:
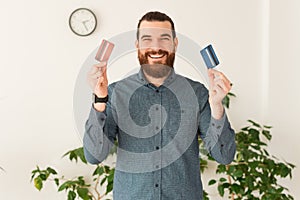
<point x="100" y="100"/>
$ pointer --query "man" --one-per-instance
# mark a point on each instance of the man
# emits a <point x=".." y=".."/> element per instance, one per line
<point x="156" y="116"/>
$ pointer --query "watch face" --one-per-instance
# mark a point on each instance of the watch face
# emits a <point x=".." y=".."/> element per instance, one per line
<point x="82" y="22"/>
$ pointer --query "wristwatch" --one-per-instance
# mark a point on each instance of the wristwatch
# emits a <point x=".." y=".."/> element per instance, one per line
<point x="96" y="99"/>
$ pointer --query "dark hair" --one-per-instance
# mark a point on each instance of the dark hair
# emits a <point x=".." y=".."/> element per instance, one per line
<point x="156" y="16"/>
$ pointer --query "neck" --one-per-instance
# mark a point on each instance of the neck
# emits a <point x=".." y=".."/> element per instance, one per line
<point x="155" y="81"/>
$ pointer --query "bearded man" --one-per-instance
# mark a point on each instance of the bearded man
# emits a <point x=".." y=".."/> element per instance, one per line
<point x="156" y="116"/>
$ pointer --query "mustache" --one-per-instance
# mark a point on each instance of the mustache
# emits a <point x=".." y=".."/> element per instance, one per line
<point x="160" y="51"/>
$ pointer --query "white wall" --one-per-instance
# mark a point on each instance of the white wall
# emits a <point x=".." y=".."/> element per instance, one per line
<point x="284" y="97"/>
<point x="41" y="58"/>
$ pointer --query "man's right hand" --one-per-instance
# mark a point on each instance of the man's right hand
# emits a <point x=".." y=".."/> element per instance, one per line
<point x="97" y="79"/>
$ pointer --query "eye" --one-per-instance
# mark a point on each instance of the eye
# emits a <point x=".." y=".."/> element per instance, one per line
<point x="165" y="38"/>
<point x="146" y="39"/>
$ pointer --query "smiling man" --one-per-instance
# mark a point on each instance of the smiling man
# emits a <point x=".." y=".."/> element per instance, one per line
<point x="157" y="116"/>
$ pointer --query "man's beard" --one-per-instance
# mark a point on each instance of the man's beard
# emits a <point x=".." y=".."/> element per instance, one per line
<point x="158" y="69"/>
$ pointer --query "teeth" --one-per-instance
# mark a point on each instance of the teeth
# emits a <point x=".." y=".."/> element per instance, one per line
<point x="156" y="56"/>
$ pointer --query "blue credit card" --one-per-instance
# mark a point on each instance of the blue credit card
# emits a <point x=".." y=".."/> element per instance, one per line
<point x="209" y="56"/>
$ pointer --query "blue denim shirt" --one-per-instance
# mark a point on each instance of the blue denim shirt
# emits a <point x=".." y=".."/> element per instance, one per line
<point x="157" y="130"/>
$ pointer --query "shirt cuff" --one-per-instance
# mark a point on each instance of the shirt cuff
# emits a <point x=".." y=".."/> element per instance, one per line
<point x="100" y="117"/>
<point x="217" y="125"/>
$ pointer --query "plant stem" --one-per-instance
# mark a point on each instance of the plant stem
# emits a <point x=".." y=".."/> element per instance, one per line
<point x="230" y="182"/>
<point x="96" y="188"/>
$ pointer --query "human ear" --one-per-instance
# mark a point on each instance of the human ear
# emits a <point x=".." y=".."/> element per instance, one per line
<point x="175" y="43"/>
<point x="137" y="44"/>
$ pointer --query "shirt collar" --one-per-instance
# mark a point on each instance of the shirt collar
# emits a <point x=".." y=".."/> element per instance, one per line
<point x="168" y="80"/>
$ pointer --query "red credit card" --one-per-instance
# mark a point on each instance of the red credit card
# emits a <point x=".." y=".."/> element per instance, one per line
<point x="104" y="51"/>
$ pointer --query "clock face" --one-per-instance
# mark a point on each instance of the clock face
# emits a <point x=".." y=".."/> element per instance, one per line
<point x="82" y="21"/>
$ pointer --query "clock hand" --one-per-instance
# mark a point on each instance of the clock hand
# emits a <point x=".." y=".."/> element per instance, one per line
<point x="85" y="21"/>
<point x="85" y="25"/>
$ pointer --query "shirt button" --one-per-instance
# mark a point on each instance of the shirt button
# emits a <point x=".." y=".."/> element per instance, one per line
<point x="156" y="185"/>
<point x="157" y="147"/>
<point x="157" y="91"/>
<point x="156" y="108"/>
<point x="157" y="166"/>
<point x="157" y="128"/>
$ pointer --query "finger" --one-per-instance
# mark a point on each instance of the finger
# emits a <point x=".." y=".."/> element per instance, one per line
<point x="99" y="82"/>
<point x="96" y="75"/>
<point x="104" y="74"/>
<point x="97" y="67"/>
<point x="211" y="78"/>
<point x="101" y="64"/>
<point x="220" y="75"/>
<point x="214" y="72"/>
<point x="222" y="85"/>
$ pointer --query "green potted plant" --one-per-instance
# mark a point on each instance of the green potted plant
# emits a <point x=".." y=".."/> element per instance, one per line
<point x="77" y="186"/>
<point x="253" y="174"/>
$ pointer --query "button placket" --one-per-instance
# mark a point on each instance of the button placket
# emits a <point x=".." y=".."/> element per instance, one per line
<point x="157" y="148"/>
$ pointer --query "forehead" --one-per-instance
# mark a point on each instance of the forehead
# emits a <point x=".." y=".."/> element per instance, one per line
<point x="155" y="28"/>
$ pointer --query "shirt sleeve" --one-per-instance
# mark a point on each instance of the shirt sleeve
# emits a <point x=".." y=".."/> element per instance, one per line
<point x="217" y="135"/>
<point x="100" y="134"/>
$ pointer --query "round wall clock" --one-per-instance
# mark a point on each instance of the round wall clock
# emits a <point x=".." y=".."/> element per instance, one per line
<point x="82" y="21"/>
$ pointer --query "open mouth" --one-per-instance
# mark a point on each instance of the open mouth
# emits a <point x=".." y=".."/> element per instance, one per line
<point x="156" y="56"/>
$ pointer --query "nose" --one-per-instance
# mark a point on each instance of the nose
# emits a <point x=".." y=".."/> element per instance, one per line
<point x="155" y="45"/>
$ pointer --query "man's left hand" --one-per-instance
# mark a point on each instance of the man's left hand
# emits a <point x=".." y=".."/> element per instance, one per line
<point x="219" y="86"/>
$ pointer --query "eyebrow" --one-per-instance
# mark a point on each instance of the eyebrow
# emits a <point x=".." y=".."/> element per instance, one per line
<point x="162" y="35"/>
<point x="165" y="35"/>
<point x="145" y="36"/>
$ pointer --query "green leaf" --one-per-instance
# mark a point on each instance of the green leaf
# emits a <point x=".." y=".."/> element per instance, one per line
<point x="221" y="190"/>
<point x="81" y="181"/>
<point x="103" y="180"/>
<point x="211" y="182"/>
<point x="75" y="154"/>
<point x="231" y="169"/>
<point x="231" y="94"/>
<point x="98" y="171"/>
<point x="51" y="171"/>
<point x="254" y="123"/>
<point x="110" y="177"/>
<point x="222" y="179"/>
<point x="109" y="187"/>
<point x="268" y="127"/>
<point x="245" y="128"/>
<point x="43" y="177"/>
<point x="226" y="185"/>
<point x="71" y="195"/>
<point x="205" y="195"/>
<point x="254" y="135"/>
<point x="226" y="101"/>
<point x="203" y="165"/>
<point x="65" y="185"/>
<point x="238" y="173"/>
<point x="236" y="188"/>
<point x="83" y="193"/>
<point x="80" y="154"/>
<point x="38" y="183"/>
<point x="239" y="157"/>
<point x="221" y="169"/>
<point x="56" y="180"/>
<point x="267" y="134"/>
